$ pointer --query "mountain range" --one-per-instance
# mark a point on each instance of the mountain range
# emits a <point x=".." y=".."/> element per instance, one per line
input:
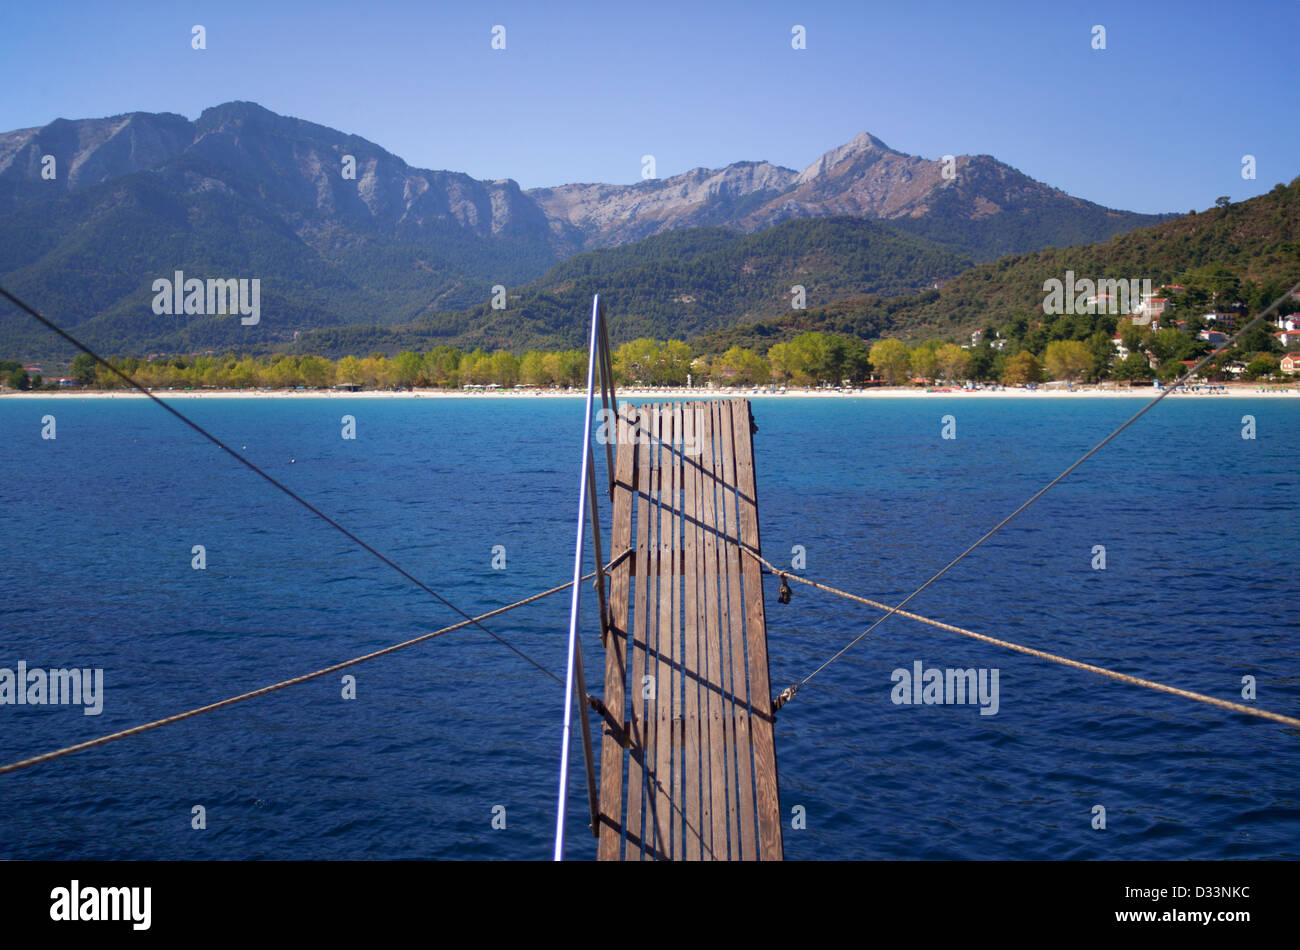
<point x="1246" y="253"/>
<point x="93" y="211"/>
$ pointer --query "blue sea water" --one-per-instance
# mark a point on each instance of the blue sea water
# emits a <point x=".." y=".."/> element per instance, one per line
<point x="1199" y="526"/>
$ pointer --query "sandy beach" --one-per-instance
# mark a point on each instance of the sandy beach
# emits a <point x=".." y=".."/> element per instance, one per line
<point x="1253" y="391"/>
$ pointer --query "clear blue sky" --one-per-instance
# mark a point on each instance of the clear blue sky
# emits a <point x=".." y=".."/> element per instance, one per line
<point x="1159" y="121"/>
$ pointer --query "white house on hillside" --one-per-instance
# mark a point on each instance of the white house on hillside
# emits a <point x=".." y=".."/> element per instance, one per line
<point x="1152" y="306"/>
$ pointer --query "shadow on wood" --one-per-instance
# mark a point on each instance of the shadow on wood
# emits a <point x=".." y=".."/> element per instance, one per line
<point x="686" y="658"/>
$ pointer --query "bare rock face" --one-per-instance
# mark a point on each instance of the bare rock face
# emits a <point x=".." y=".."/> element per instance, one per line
<point x="86" y="152"/>
<point x="862" y="178"/>
<point x="294" y="167"/>
<point x="302" y="164"/>
<point x="606" y="215"/>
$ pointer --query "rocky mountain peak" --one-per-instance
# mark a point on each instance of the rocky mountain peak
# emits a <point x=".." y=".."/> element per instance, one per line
<point x="861" y="149"/>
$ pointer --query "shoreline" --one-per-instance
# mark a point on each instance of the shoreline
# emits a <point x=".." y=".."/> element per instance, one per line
<point x="890" y="392"/>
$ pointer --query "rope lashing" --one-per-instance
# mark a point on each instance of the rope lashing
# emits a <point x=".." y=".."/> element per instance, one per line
<point x="789" y="692"/>
<point x="783" y="595"/>
<point x="211" y="707"/>
<point x="784" y="697"/>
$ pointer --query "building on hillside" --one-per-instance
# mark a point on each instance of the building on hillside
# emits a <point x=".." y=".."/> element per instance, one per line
<point x="1153" y="307"/>
<point x="1121" y="351"/>
<point x="1288" y="337"/>
<point x="1216" y="338"/>
<point x="1290" y="322"/>
<point x="1291" y="362"/>
<point x="978" y="336"/>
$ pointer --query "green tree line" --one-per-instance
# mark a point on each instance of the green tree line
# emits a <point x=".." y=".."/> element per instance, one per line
<point x="809" y="359"/>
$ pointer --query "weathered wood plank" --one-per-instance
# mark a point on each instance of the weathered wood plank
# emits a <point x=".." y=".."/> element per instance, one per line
<point x="701" y="667"/>
<point x="746" y="818"/>
<point x="767" y="796"/>
<point x="721" y="676"/>
<point x="693" y="834"/>
<point x="678" y="554"/>
<point x="664" y="640"/>
<point x="701" y="779"/>
<point x="641" y="612"/>
<point x="646" y="686"/>
<point x="675" y="657"/>
<point x="712" y="653"/>
<point x="650" y="721"/>
<point x="611" y="750"/>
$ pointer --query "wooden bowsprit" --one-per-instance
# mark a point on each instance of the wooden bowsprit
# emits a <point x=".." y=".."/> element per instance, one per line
<point x="686" y="671"/>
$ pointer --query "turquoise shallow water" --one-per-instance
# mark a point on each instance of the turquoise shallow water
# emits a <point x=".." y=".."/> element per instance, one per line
<point x="1200" y="589"/>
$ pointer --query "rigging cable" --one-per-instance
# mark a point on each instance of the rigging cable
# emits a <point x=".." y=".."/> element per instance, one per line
<point x="278" y="484"/>
<point x="789" y="692"/>
<point x="210" y="707"/>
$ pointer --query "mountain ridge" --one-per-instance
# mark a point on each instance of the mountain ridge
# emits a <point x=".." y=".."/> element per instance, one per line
<point x="244" y="191"/>
<point x="863" y="176"/>
<point x="1248" y="251"/>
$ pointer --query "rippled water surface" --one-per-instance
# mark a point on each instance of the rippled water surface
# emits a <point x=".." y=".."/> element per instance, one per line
<point x="1199" y="525"/>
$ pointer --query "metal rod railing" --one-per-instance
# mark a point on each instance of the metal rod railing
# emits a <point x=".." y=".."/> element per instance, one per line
<point x="608" y="398"/>
<point x="599" y="367"/>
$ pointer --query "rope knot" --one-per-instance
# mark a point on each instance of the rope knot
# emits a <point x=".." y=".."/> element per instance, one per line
<point x="783" y="595"/>
<point x="784" y="697"/>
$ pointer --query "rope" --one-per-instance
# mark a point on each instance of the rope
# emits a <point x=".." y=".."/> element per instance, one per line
<point x="239" y="458"/>
<point x="789" y="692"/>
<point x="1042" y="491"/>
<point x="136" y="730"/>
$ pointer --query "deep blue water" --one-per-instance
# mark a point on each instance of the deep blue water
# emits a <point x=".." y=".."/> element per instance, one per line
<point x="1200" y="528"/>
